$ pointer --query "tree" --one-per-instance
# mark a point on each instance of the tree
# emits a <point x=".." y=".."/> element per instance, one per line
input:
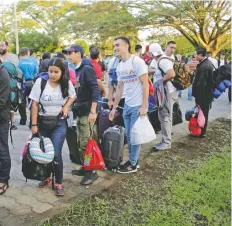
<point x="6" y="22"/>
<point x="52" y="17"/>
<point x="100" y="22"/>
<point x="38" y="41"/>
<point x="203" y="23"/>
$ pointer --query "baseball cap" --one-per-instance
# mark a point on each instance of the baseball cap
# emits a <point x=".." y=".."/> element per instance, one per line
<point x="59" y="55"/>
<point x="73" y="48"/>
<point x="155" y="49"/>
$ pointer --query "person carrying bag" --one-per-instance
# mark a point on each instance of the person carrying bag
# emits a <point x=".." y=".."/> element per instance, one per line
<point x="51" y="101"/>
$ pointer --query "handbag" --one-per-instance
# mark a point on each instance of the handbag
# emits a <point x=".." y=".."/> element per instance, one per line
<point x="176" y="115"/>
<point x="93" y="159"/>
<point x="139" y="135"/>
<point x="200" y="118"/>
<point x="47" y="122"/>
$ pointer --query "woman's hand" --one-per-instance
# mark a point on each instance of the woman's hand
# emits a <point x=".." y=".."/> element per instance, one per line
<point x="34" y="129"/>
<point x="64" y="111"/>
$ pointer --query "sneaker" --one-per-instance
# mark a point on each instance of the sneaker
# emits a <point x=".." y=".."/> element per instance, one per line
<point x="126" y="164"/>
<point x="157" y="144"/>
<point x="162" y="146"/>
<point x="89" y="178"/>
<point x="128" y="169"/>
<point x="81" y="172"/>
<point x="59" y="190"/>
<point x="137" y="165"/>
<point x="46" y="183"/>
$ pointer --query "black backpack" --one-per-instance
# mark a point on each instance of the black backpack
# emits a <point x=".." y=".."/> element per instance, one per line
<point x="221" y="73"/>
<point x="36" y="171"/>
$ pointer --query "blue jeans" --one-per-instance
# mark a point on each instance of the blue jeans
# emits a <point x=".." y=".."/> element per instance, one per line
<point x="190" y="93"/>
<point x="130" y="115"/>
<point x="57" y="137"/>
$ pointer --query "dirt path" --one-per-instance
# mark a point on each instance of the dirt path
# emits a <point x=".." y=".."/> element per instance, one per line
<point x="126" y="201"/>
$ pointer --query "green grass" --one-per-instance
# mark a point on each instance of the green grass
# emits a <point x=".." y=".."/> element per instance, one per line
<point x="199" y="196"/>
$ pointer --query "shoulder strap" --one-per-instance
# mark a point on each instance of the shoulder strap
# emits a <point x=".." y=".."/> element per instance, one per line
<point x="162" y="72"/>
<point x="42" y="87"/>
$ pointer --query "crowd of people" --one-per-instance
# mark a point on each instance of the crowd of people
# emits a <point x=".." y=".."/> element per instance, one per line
<point x="73" y="79"/>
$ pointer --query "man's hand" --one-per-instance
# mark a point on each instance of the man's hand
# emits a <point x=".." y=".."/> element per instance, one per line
<point x="142" y="111"/>
<point x="110" y="103"/>
<point x="92" y="117"/>
<point x="111" y="116"/>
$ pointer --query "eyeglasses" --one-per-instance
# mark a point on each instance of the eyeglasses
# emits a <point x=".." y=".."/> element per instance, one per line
<point x="70" y="53"/>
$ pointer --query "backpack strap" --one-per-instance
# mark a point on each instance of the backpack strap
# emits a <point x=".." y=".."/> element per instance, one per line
<point x="42" y="87"/>
<point x="162" y="72"/>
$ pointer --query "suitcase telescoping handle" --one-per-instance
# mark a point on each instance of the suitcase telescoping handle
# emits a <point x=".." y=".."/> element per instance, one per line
<point x="110" y="148"/>
<point x="103" y="102"/>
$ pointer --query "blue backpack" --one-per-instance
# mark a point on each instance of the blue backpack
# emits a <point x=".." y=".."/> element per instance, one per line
<point x="15" y="84"/>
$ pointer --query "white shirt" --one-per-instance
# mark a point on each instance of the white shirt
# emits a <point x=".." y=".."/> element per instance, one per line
<point x="51" y="99"/>
<point x="214" y="62"/>
<point x="129" y="72"/>
<point x="165" y="65"/>
<point x="222" y="62"/>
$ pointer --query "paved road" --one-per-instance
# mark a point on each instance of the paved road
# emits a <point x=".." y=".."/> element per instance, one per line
<point x="24" y="202"/>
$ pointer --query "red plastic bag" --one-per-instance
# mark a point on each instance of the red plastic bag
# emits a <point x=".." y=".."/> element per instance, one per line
<point x="194" y="129"/>
<point x="92" y="157"/>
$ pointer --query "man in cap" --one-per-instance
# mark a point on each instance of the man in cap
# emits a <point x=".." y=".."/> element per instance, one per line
<point x="88" y="94"/>
<point x="164" y="72"/>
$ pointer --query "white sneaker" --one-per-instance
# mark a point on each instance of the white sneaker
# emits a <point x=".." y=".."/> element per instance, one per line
<point x="163" y="146"/>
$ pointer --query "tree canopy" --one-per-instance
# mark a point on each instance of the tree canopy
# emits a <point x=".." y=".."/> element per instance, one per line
<point x="52" y="24"/>
<point x="205" y="23"/>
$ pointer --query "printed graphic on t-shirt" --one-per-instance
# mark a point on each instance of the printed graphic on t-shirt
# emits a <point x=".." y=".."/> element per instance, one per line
<point x="52" y="97"/>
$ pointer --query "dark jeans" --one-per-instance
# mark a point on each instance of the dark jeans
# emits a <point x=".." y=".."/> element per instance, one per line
<point x="22" y="106"/>
<point x="5" y="161"/>
<point x="57" y="137"/>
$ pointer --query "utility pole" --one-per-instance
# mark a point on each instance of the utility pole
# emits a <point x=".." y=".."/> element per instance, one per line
<point x="16" y="29"/>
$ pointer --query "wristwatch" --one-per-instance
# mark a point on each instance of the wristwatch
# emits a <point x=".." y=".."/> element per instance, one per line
<point x="93" y="112"/>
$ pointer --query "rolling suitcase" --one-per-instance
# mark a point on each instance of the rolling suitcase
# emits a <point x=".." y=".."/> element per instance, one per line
<point x="112" y="147"/>
<point x="104" y="122"/>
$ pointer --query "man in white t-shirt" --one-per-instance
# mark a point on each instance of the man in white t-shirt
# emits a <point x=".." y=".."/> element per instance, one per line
<point x="171" y="94"/>
<point x="170" y="49"/>
<point x="132" y="75"/>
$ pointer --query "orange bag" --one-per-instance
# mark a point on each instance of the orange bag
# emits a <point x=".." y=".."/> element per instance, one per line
<point x="92" y="157"/>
